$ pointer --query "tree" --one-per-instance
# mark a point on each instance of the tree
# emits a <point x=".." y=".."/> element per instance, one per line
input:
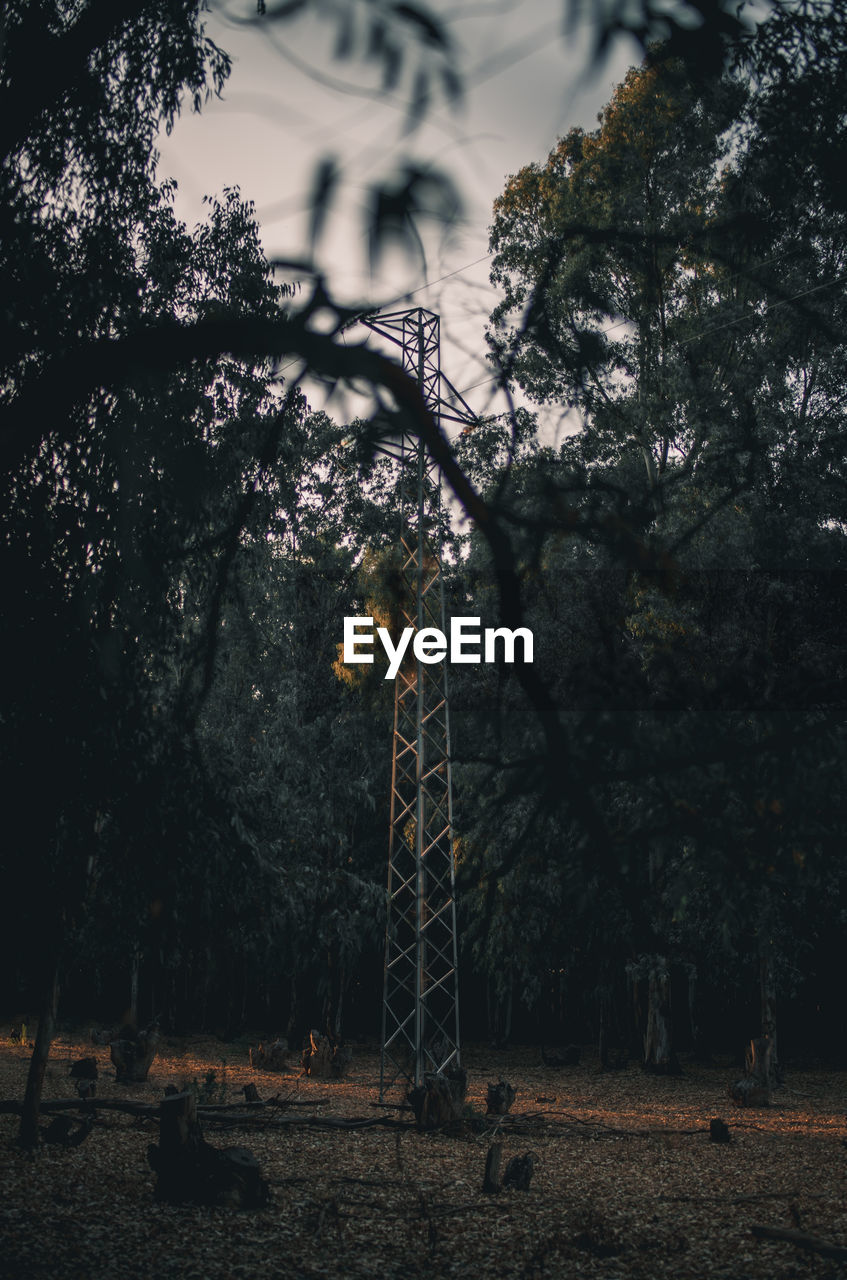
<point x="635" y="296"/>
<point x="104" y="499"/>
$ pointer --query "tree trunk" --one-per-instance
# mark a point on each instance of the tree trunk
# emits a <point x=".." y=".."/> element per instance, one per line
<point x="28" y="1132"/>
<point x="658" y="1048"/>
<point x="767" y="992"/>
<point x="342" y="989"/>
<point x="292" y="1010"/>
<point x="602" y="1036"/>
<point x="204" y="989"/>
<point x="336" y="986"/>
<point x="633" y="1017"/>
<point x="133" y="987"/>
<point x="499" y="1015"/>
<point x="699" y="1041"/>
<point x="611" y="1049"/>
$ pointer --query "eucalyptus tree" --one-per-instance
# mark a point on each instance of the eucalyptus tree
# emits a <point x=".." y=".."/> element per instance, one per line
<point x="108" y="485"/>
<point x="648" y="289"/>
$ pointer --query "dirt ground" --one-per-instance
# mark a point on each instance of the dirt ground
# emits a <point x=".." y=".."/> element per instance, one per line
<point x="627" y="1182"/>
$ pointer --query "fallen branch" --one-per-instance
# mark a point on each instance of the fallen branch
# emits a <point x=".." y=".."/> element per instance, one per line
<point x="355" y="1122"/>
<point x="87" y="1104"/>
<point x="379" y="1183"/>
<point x="598" y="1127"/>
<point x="312" y="1122"/>
<point x="803" y="1241"/>
<point x="210" y="1111"/>
<point x="257" y="1104"/>
<point x="748" y="1199"/>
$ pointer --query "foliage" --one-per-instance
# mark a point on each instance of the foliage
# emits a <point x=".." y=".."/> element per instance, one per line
<point x="679" y="545"/>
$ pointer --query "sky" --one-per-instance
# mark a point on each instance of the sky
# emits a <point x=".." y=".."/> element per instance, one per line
<point x="290" y="103"/>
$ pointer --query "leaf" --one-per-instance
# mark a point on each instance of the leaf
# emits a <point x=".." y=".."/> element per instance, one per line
<point x="428" y="27"/>
<point x="324" y="185"/>
<point x="285" y="9"/>
<point x="392" y="65"/>
<point x="415" y="194"/>
<point x="344" y="39"/>
<point x="419" y="101"/>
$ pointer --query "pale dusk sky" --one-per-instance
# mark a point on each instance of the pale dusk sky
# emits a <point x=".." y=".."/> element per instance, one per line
<point x="289" y="103"/>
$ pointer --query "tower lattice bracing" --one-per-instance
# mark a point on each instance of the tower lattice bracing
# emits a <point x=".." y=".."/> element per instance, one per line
<point x="420" y="1027"/>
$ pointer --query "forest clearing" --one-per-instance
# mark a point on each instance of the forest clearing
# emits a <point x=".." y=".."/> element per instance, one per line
<point x="626" y="1182"/>
<point x="250" y="782"/>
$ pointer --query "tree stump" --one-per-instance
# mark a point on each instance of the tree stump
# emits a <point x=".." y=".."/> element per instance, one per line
<point x="133" y="1051"/>
<point x="323" y="1058"/>
<point x="276" y="1057"/>
<point x="754" y="1087"/>
<point x="519" y="1171"/>
<point x="438" y="1103"/>
<point x="491" y="1178"/>
<point x="66" y="1132"/>
<point x="718" y="1131"/>
<point x="500" y="1098"/>
<point x="614" y="1059"/>
<point x="83" y="1069"/>
<point x="566" y="1056"/>
<point x="190" y="1170"/>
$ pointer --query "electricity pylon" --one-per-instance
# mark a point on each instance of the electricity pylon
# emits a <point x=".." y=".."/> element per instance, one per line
<point x="420" y="1011"/>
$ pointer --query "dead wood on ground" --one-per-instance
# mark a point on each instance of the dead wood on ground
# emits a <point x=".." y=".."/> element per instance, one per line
<point x="190" y="1170"/>
<point x="438" y="1103"/>
<point x="133" y="1051"/>
<point x="802" y="1240"/>
<point x="491" y="1178"/>
<point x="499" y="1098"/>
<point x="519" y="1171"/>
<point x="275" y="1057"/>
<point x="756" y="1085"/>
<point x="325" y="1057"/>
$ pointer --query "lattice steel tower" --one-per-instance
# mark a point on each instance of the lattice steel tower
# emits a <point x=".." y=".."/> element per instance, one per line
<point x="420" y="1015"/>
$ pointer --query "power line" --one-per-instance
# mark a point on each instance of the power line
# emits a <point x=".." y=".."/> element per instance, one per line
<point x="449" y="274"/>
<point x="429" y="284"/>
<point x="618" y="323"/>
<point x="804" y="293"/>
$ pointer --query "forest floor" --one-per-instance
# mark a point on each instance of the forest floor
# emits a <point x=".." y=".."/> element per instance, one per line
<point x="627" y="1182"/>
